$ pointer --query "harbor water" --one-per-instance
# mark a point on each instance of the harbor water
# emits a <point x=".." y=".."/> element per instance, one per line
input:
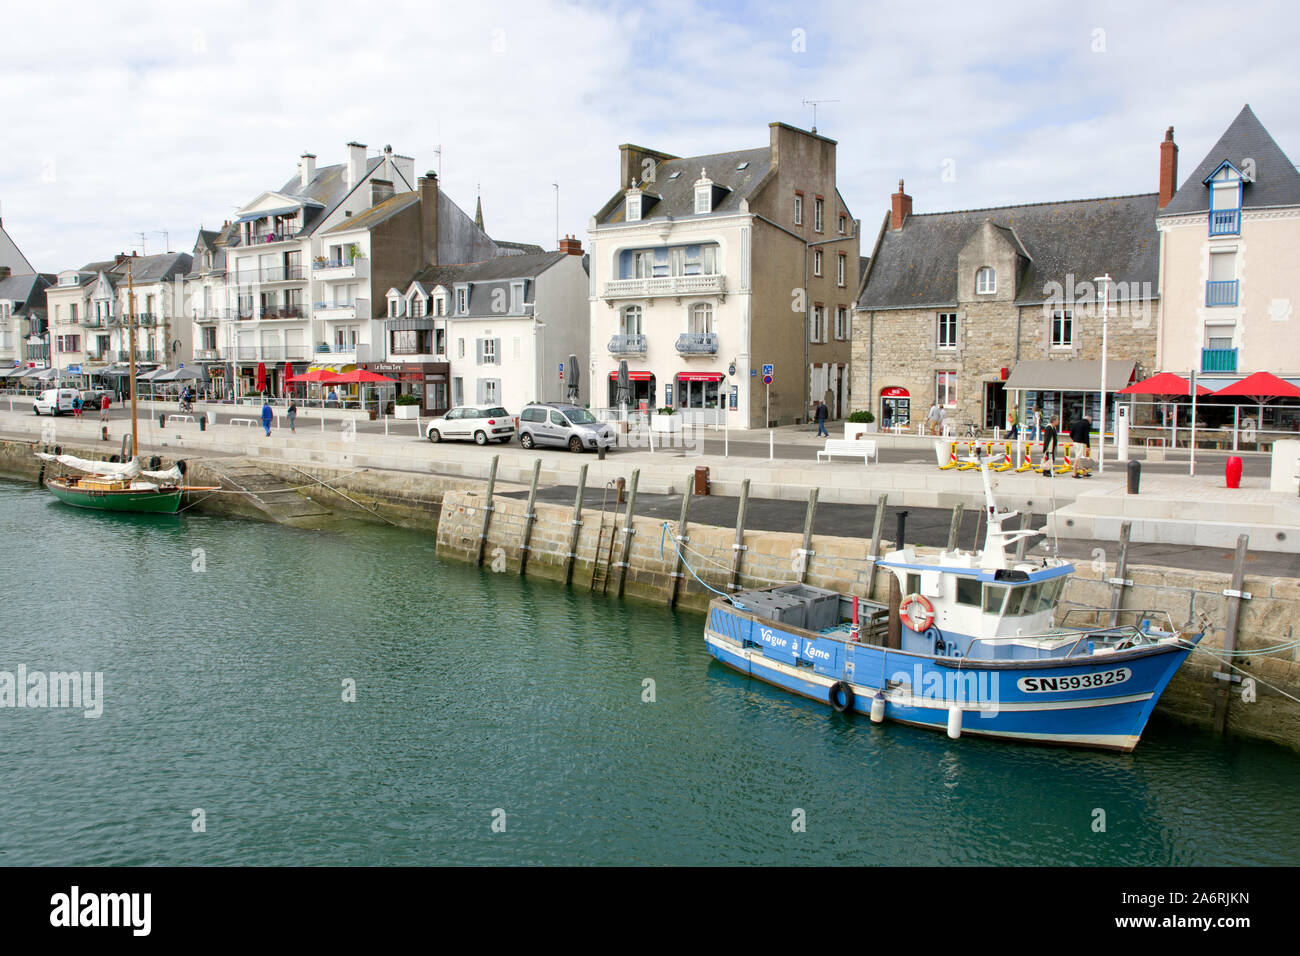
<point x="506" y="721"/>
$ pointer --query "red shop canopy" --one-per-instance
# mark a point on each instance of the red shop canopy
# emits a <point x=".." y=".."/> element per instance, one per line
<point x="894" y="391"/>
<point x="699" y="376"/>
<point x="634" y="376"/>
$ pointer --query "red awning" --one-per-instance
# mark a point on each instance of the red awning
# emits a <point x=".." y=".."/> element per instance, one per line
<point x="895" y="391"/>
<point x="633" y="376"/>
<point x="699" y="376"/>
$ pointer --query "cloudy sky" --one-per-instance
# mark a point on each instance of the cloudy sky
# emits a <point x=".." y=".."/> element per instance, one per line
<point x="151" y="117"/>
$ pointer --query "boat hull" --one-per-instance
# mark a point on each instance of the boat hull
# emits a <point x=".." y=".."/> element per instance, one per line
<point x="1083" y="702"/>
<point x="147" y="502"/>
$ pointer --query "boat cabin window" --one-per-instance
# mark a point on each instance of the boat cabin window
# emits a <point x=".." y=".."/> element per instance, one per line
<point x="1051" y="591"/>
<point x="1024" y="600"/>
<point x="994" y="595"/>
<point x="913" y="584"/>
<point x="968" y="591"/>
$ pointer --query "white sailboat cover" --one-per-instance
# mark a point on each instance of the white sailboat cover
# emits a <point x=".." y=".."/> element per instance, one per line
<point x="116" y="469"/>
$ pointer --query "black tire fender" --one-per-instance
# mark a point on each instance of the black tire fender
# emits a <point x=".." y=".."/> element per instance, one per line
<point x="840" y="689"/>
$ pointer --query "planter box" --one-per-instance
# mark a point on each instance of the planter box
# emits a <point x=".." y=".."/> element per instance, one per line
<point x="665" y="423"/>
<point x="406" y="411"/>
<point x="854" y="430"/>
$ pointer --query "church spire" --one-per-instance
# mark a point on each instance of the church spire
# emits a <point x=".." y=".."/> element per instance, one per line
<point x="478" y="214"/>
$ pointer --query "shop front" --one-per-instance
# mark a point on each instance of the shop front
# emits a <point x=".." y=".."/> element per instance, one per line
<point x="700" y="396"/>
<point x="1041" y="390"/>
<point x="895" y="406"/>
<point x="643" y="389"/>
<point x="428" y="381"/>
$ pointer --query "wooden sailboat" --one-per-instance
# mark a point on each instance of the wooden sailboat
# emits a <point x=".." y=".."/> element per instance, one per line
<point x="121" y="486"/>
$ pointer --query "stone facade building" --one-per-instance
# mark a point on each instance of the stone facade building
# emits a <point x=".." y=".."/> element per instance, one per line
<point x="954" y="303"/>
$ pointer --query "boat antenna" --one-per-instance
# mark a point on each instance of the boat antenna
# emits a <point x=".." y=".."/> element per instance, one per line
<point x="130" y="319"/>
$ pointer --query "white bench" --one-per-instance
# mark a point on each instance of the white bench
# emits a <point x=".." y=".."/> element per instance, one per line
<point x="866" y="450"/>
<point x="180" y="418"/>
<point x="251" y="422"/>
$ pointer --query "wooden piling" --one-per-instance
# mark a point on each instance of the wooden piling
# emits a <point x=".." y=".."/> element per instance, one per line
<point x="877" y="529"/>
<point x="738" y="548"/>
<point x="1235" y="595"/>
<point x="487" y="509"/>
<point x="629" y="529"/>
<point x="954" y="529"/>
<point x="576" y="524"/>
<point x="682" y="539"/>
<point x="530" y="515"/>
<point x="1120" y="581"/>
<point x="805" y="553"/>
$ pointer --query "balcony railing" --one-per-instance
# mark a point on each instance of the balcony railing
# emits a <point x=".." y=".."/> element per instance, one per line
<point x="1225" y="222"/>
<point x="270" y="312"/>
<point x="282" y="234"/>
<point x="327" y="348"/>
<point x="207" y="355"/>
<point x="266" y="353"/>
<point x="146" y="319"/>
<point x="339" y="268"/>
<point x="1223" y="292"/>
<point x="697" y="343"/>
<point x="665" y="285"/>
<point x="250" y="276"/>
<point x="341" y="310"/>
<point x="1218" y="360"/>
<point x="141" y="355"/>
<point x="627" y="345"/>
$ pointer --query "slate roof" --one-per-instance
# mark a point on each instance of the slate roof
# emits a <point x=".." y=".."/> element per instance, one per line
<point x="28" y="290"/>
<point x="1276" y="181"/>
<point x="155" y="268"/>
<point x="214" y="241"/>
<point x="676" y="197"/>
<point x="487" y="276"/>
<point x="525" y="247"/>
<point x="376" y="214"/>
<point x="916" y="266"/>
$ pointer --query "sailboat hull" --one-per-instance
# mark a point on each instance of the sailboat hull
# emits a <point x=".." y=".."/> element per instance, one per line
<point x="163" y="501"/>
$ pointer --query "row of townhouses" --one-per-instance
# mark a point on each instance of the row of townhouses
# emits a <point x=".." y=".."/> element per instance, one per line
<point x="730" y="286"/>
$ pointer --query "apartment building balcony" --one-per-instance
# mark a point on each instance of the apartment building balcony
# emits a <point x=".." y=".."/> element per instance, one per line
<point x="328" y="270"/>
<point x="1218" y="360"/>
<point x="665" y="286"/>
<point x="36" y="353"/>
<point x="207" y="355"/>
<point x="94" y="322"/>
<point x="342" y="310"/>
<point x="209" y="316"/>
<point x="327" y="350"/>
<point x="627" y="345"/>
<point x="265" y="353"/>
<point x="697" y="343"/>
<point x="1221" y="293"/>
<point x="1225" y="222"/>
<point x="270" y="237"/>
<point x="141" y="355"/>
<point x="272" y="313"/>
<point x="248" y="275"/>
<point x="147" y="320"/>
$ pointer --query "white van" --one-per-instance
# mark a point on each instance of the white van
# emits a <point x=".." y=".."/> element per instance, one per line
<point x="54" y="401"/>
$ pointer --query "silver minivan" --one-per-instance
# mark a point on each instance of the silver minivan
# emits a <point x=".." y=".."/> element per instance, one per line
<point x="54" y="401"/>
<point x="570" y="426"/>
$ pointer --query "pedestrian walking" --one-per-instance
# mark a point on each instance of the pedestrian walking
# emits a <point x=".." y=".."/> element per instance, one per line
<point x="1081" y="435"/>
<point x="293" y="416"/>
<point x="103" y="407"/>
<point x="1049" y="446"/>
<point x="1013" y="424"/>
<point x="933" y="419"/>
<point x="819" y="414"/>
<point x="76" y="406"/>
<point x="267" y="415"/>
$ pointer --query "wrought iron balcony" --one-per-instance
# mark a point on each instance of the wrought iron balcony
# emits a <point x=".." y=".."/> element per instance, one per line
<point x="627" y="345"/>
<point x="1218" y="360"/>
<point x="665" y="285"/>
<point x="1222" y="292"/>
<point x="697" y="343"/>
<point x="284" y="233"/>
<point x="1225" y="222"/>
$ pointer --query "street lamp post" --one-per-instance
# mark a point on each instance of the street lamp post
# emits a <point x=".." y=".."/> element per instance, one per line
<point x="1104" y="282"/>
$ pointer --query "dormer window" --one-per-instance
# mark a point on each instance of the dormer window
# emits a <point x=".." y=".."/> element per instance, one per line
<point x="516" y="298"/>
<point x="703" y="194"/>
<point x="462" y="300"/>
<point x="986" y="281"/>
<point x="1225" y="201"/>
<point x="633" y="213"/>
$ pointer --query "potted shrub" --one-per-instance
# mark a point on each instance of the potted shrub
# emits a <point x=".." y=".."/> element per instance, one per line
<point x="407" y="406"/>
<point x="859" y="423"/>
<point x="666" y="419"/>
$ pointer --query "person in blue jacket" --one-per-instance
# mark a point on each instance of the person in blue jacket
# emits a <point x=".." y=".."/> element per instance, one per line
<point x="267" y="415"/>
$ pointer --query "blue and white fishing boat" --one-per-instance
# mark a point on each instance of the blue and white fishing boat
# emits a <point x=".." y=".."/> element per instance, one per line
<point x="981" y="645"/>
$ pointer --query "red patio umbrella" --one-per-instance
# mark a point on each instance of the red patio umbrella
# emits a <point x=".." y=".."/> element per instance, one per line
<point x="1259" y="388"/>
<point x="261" y="376"/>
<point x="315" y="375"/>
<point x="354" y="377"/>
<point x="1166" y="383"/>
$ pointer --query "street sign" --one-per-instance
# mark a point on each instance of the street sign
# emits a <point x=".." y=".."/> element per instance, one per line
<point x="767" y="378"/>
<point x="768" y="370"/>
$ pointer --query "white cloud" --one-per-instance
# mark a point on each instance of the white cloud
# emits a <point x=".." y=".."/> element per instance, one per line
<point x="167" y="117"/>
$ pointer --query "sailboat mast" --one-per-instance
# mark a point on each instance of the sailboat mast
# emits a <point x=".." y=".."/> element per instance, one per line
<point x="130" y="319"/>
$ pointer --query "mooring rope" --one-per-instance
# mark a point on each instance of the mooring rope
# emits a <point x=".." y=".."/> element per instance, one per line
<point x="667" y="533"/>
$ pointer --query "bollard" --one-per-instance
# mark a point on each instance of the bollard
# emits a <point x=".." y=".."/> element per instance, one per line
<point x="1232" y="472"/>
<point x="1134" y="476"/>
<point x="162" y="420"/>
<point x="600" y="451"/>
<point x="104" y="433"/>
<point x="203" y="423"/>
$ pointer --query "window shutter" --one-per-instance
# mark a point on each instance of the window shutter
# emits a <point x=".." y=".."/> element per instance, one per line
<point x="478" y="391"/>
<point x="478" y="346"/>
<point x="496" y="351"/>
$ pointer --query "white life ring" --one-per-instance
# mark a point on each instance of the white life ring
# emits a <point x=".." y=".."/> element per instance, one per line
<point x="917" y="613"/>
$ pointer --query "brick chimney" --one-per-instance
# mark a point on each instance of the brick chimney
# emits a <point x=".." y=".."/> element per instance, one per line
<point x="380" y="189"/>
<point x="120" y="258"/>
<point x="1168" y="168"/>
<point x="428" y="186"/>
<point x="570" y="246"/>
<point x="307" y="169"/>
<point x="356" y="163"/>
<point x="900" y="208"/>
<point x="4" y="272"/>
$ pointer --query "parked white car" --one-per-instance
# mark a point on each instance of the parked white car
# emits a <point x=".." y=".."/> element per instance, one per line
<point x="477" y="423"/>
<point x="54" y="401"/>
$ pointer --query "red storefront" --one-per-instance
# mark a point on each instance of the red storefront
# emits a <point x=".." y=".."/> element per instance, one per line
<point x="430" y="380"/>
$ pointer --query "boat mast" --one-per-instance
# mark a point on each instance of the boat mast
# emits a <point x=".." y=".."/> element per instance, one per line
<point x="130" y="319"/>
